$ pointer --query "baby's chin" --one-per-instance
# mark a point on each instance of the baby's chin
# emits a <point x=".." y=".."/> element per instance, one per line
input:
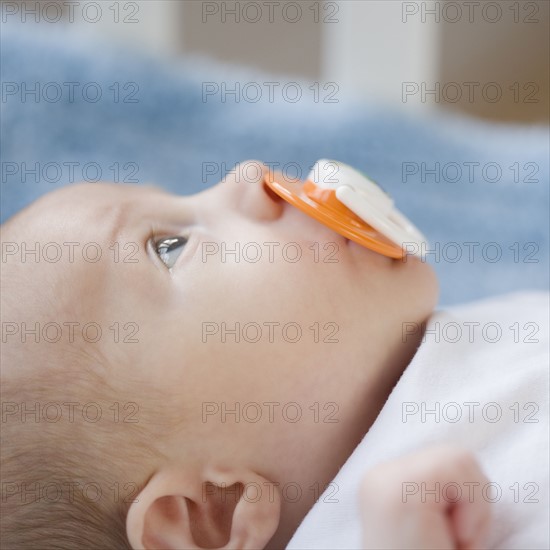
<point x="422" y="284"/>
<point x="412" y="288"/>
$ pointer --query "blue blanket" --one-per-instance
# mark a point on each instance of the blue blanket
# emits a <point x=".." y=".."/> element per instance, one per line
<point x="153" y="124"/>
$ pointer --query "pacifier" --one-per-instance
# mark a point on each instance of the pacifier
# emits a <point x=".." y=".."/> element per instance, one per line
<point x="353" y="205"/>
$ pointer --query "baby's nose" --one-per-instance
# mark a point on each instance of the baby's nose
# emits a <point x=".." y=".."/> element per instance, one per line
<point x="257" y="201"/>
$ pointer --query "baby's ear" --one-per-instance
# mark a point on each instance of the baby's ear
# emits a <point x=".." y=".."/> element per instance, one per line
<point x="180" y="508"/>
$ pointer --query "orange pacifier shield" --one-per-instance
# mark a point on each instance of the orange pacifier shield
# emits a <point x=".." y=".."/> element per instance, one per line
<point x="322" y="202"/>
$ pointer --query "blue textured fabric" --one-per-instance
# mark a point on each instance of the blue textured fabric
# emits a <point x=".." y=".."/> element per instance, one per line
<point x="170" y="132"/>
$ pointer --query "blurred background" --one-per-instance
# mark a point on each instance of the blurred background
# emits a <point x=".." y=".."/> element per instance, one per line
<point x="489" y="59"/>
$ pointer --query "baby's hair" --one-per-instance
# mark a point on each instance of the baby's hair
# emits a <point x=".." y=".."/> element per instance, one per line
<point x="68" y="478"/>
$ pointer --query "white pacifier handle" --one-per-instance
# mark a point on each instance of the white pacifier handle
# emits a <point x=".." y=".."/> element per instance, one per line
<point x="368" y="201"/>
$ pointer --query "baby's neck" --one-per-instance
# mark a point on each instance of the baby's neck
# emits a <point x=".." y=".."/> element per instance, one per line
<point x="368" y="402"/>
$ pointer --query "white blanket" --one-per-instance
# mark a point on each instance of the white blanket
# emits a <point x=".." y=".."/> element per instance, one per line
<point x="508" y="377"/>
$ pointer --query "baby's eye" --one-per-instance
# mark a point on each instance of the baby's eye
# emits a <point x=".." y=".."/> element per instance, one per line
<point x="169" y="249"/>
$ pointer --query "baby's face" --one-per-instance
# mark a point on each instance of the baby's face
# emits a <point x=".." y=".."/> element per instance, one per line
<point x="263" y="307"/>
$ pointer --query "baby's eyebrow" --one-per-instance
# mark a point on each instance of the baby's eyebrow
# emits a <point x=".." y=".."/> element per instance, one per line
<point x="118" y="218"/>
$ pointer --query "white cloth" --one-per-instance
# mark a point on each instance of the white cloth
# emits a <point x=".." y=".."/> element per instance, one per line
<point x="510" y="377"/>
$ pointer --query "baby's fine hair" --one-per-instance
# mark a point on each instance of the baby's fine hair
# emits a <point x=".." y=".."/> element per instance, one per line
<point x="68" y="477"/>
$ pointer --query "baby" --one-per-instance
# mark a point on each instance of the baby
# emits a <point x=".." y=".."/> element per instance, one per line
<point x="160" y="389"/>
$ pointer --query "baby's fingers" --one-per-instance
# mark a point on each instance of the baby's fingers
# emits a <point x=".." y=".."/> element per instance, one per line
<point x="471" y="515"/>
<point x="435" y="497"/>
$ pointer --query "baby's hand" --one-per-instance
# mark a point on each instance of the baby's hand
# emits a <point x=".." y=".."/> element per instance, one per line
<point x="407" y="504"/>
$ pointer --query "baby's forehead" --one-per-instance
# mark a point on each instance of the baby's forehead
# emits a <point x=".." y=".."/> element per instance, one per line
<point x="93" y="198"/>
<point x="54" y="249"/>
<point x="81" y="206"/>
<point x="58" y="236"/>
